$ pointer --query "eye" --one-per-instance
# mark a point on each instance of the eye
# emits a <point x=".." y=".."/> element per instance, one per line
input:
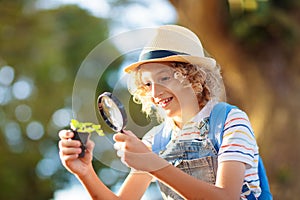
<point x="165" y="78"/>
<point x="148" y="84"/>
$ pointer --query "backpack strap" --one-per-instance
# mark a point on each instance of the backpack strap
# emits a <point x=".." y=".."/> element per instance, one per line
<point x="264" y="182"/>
<point x="216" y="130"/>
<point x="217" y="120"/>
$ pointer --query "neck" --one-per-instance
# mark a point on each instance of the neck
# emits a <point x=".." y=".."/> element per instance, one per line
<point x="180" y="121"/>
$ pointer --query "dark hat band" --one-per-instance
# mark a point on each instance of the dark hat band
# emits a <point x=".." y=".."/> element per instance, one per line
<point x="159" y="54"/>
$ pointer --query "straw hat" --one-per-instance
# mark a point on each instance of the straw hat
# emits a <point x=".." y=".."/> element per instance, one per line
<point x="173" y="43"/>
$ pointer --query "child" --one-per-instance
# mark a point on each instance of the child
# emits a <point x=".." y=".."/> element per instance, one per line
<point x="177" y="82"/>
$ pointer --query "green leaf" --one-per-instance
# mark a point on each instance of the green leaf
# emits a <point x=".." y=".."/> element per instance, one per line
<point x="86" y="127"/>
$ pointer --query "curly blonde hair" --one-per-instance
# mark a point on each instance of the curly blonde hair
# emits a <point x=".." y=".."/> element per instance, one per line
<point x="206" y="82"/>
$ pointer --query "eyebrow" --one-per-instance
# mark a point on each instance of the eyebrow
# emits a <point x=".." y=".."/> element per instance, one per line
<point x="159" y="72"/>
<point x="162" y="71"/>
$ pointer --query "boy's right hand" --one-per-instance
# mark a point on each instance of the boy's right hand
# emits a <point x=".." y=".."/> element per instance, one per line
<point x="69" y="151"/>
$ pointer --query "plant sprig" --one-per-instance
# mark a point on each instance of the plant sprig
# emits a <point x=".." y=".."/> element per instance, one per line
<point x="86" y="127"/>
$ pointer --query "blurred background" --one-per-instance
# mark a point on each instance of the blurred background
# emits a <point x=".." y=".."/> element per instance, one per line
<point x="44" y="43"/>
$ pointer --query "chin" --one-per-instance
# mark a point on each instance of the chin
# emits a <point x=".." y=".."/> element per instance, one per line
<point x="171" y="113"/>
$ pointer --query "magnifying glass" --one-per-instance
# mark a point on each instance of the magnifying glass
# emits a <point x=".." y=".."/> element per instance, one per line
<point x="112" y="111"/>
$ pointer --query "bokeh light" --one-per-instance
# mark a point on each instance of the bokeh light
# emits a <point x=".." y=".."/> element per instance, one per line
<point x="7" y="75"/>
<point x="5" y="95"/>
<point x="62" y="117"/>
<point x="46" y="167"/>
<point x="22" y="89"/>
<point x="35" y="130"/>
<point x="23" y="113"/>
<point x="13" y="136"/>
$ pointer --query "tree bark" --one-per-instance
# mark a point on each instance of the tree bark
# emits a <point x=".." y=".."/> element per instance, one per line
<point x="265" y="84"/>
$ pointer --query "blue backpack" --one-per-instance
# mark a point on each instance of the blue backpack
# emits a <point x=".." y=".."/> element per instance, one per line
<point x="217" y="119"/>
<point x="216" y="123"/>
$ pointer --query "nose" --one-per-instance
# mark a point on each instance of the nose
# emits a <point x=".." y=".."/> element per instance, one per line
<point x="156" y="90"/>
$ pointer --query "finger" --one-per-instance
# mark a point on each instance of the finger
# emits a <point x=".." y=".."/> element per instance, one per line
<point x="120" y="137"/>
<point x="120" y="153"/>
<point x="69" y="143"/>
<point x="66" y="158"/>
<point x="65" y="134"/>
<point x="127" y="132"/>
<point x="119" y="145"/>
<point x="69" y="151"/>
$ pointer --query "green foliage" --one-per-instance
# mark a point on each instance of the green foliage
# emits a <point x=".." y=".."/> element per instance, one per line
<point x="255" y="23"/>
<point x="46" y="48"/>
<point x="86" y="127"/>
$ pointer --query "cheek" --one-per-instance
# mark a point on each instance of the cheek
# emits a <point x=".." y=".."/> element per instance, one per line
<point x="174" y="86"/>
<point x="183" y="92"/>
<point x="186" y="96"/>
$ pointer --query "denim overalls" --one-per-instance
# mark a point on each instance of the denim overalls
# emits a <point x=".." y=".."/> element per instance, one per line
<point x="196" y="157"/>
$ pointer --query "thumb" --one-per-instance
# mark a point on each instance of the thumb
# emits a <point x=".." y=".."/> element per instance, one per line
<point x="122" y="137"/>
<point x="127" y="132"/>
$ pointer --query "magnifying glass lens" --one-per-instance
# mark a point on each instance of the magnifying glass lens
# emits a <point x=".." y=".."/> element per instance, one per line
<point x="112" y="111"/>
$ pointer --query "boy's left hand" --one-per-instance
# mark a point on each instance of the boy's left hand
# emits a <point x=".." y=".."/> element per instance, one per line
<point x="134" y="153"/>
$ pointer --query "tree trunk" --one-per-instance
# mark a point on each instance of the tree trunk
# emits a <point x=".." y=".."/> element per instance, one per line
<point x="266" y="84"/>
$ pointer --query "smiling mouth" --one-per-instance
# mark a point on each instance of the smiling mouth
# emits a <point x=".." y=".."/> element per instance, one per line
<point x="163" y="103"/>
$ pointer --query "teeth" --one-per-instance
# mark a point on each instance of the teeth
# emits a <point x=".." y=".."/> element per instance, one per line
<point x="165" y="101"/>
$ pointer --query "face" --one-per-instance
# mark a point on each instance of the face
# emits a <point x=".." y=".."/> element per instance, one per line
<point x="178" y="100"/>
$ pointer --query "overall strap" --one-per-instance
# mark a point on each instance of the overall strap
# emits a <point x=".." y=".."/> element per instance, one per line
<point x="161" y="138"/>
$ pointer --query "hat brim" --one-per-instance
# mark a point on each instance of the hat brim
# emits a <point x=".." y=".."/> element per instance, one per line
<point x="202" y="61"/>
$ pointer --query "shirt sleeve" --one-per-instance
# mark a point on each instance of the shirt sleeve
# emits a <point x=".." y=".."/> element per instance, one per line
<point x="239" y="143"/>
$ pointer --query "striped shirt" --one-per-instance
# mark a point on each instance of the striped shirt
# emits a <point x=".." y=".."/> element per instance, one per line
<point x="239" y="144"/>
